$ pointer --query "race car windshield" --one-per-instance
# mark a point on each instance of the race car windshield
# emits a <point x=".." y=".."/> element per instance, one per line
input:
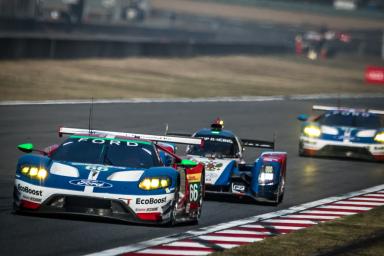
<point x="214" y="146"/>
<point x="93" y="150"/>
<point x="351" y="119"/>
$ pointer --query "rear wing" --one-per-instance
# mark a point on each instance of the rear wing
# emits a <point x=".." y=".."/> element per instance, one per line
<point x="330" y="108"/>
<point x="258" y="143"/>
<point x="178" y="134"/>
<point x="245" y="142"/>
<point x="156" y="138"/>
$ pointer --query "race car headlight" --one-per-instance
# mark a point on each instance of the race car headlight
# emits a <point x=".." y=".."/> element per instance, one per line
<point x="34" y="172"/>
<point x="154" y="183"/>
<point x="379" y="137"/>
<point x="266" y="175"/>
<point x="312" y="131"/>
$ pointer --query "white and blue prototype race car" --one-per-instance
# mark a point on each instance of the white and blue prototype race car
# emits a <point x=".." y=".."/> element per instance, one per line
<point x="114" y="175"/>
<point x="343" y="132"/>
<point x="227" y="173"/>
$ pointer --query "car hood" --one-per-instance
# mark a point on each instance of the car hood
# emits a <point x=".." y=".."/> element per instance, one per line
<point x="93" y="178"/>
<point x="352" y="134"/>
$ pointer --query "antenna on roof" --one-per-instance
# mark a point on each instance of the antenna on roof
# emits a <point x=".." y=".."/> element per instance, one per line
<point x="90" y="116"/>
<point x="166" y="129"/>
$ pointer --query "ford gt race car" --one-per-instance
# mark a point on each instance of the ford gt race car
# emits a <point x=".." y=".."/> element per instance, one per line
<point x="226" y="171"/>
<point x="343" y="132"/>
<point x="110" y="174"/>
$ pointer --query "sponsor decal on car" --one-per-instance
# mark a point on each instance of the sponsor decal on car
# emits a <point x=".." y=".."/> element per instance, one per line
<point x="150" y="200"/>
<point x="152" y="209"/>
<point x="210" y="177"/>
<point x="213" y="166"/>
<point x="110" y="142"/>
<point x="194" y="192"/>
<point x="92" y="183"/>
<point x="194" y="177"/>
<point x="238" y="188"/>
<point x="97" y="168"/>
<point x="28" y="190"/>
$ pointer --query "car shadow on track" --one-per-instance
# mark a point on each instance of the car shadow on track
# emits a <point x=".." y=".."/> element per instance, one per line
<point x="235" y="200"/>
<point x="95" y="219"/>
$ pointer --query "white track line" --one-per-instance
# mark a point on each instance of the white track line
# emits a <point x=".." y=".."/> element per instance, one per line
<point x="242" y="232"/>
<point x="199" y="245"/>
<point x="360" y="203"/>
<point x="366" y="199"/>
<point x="307" y="216"/>
<point x="231" y="238"/>
<point x="336" y="207"/>
<point x="375" y="195"/>
<point x="272" y="227"/>
<point x="290" y="221"/>
<point x="194" y="100"/>
<point x="188" y="244"/>
<point x="232" y="224"/>
<point x="175" y="252"/>
<point x="314" y="212"/>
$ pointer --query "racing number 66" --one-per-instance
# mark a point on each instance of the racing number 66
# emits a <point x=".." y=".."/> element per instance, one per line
<point x="194" y="192"/>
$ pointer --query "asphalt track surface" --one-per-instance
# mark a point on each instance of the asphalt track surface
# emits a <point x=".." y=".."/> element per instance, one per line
<point x="308" y="179"/>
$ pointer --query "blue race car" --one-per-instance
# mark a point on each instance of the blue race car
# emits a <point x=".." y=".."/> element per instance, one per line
<point x="343" y="132"/>
<point x="110" y="174"/>
<point x="226" y="171"/>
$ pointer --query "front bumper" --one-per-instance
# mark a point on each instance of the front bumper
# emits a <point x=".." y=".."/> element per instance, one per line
<point x="92" y="207"/>
<point x="42" y="200"/>
<point x="320" y="147"/>
<point x="265" y="194"/>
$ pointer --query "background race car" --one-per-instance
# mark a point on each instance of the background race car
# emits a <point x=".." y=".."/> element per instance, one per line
<point x="343" y="132"/>
<point x="226" y="171"/>
<point x="110" y="174"/>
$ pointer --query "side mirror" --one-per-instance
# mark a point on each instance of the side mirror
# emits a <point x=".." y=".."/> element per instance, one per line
<point x="26" y="147"/>
<point x="302" y="117"/>
<point x="187" y="162"/>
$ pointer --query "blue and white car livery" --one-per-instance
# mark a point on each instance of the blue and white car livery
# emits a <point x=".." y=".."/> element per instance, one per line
<point x="110" y="174"/>
<point x="226" y="171"/>
<point x="343" y="132"/>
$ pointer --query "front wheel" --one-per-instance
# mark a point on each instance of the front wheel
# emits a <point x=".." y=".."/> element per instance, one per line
<point x="301" y="149"/>
<point x="280" y="192"/>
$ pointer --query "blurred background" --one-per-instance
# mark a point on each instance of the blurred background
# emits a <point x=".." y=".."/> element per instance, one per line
<point x="119" y="28"/>
<point x="60" y="49"/>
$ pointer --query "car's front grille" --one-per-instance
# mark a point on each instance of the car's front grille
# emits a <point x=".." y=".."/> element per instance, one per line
<point x="78" y="201"/>
<point x="358" y="152"/>
<point x="83" y="204"/>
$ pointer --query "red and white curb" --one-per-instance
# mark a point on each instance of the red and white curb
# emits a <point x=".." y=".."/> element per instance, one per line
<point x="207" y="240"/>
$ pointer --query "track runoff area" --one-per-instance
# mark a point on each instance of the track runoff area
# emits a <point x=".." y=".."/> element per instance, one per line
<point x="223" y="236"/>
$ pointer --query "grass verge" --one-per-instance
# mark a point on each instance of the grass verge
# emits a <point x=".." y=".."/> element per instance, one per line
<point x="190" y="77"/>
<point x="361" y="234"/>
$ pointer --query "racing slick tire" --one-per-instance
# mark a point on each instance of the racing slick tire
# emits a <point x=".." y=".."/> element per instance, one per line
<point x="173" y="219"/>
<point x="301" y="150"/>
<point x="280" y="192"/>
